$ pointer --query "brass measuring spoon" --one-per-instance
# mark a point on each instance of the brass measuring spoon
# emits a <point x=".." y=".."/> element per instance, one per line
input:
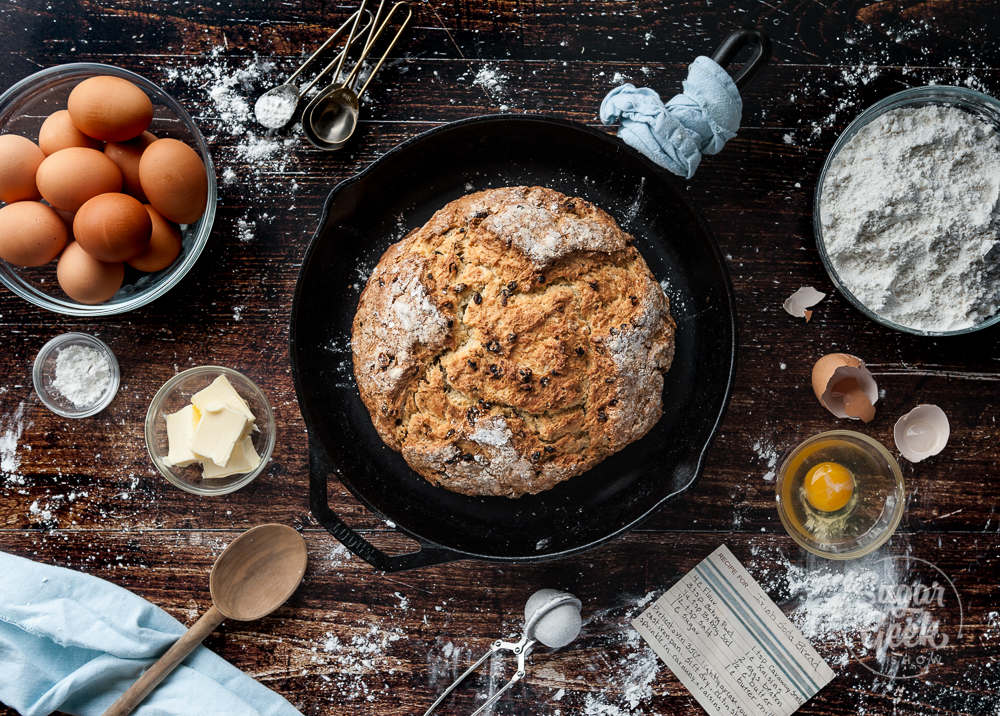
<point x="276" y="107"/>
<point x="255" y="575"/>
<point x="329" y="120"/>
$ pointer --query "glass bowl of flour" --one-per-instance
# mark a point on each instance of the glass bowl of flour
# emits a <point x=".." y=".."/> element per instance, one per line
<point x="76" y="375"/>
<point x="907" y="211"/>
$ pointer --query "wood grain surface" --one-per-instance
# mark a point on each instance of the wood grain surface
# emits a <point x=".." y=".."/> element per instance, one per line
<point x="83" y="494"/>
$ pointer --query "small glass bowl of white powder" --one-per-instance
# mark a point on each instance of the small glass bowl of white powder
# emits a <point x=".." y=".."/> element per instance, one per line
<point x="76" y="375"/>
<point x="906" y="211"/>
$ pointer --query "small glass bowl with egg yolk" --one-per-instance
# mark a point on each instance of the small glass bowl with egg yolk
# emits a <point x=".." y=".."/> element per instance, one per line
<point x="840" y="494"/>
<point x="174" y="396"/>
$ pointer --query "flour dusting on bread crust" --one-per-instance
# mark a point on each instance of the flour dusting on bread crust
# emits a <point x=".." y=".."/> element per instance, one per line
<point x="514" y="341"/>
<point x="545" y="231"/>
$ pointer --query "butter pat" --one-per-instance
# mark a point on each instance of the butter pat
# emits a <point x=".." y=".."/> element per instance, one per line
<point x="180" y="433"/>
<point x="243" y="459"/>
<point x="221" y="394"/>
<point x="217" y="433"/>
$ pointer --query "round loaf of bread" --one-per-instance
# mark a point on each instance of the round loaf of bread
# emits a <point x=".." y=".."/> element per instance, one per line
<point x="515" y="340"/>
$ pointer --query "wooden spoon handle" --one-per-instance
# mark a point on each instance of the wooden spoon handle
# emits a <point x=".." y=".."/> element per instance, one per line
<point x="156" y="673"/>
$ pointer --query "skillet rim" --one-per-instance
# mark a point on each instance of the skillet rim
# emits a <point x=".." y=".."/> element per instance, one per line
<point x="313" y="442"/>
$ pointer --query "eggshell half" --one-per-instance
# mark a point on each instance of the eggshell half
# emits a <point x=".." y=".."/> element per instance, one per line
<point x="85" y="279"/>
<point x="799" y="303"/>
<point x="845" y="387"/>
<point x="19" y="160"/>
<point x="71" y="176"/>
<point x="921" y="433"/>
<point x="31" y="233"/>
<point x="109" y="108"/>
<point x="58" y="132"/>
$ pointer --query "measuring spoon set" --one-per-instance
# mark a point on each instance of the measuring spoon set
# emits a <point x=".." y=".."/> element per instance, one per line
<point x="330" y="118"/>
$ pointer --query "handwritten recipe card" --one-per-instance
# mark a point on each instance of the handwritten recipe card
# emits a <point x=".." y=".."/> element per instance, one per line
<point x="730" y="645"/>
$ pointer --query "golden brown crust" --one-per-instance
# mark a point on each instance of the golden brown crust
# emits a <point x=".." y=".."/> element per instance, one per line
<point x="514" y="341"/>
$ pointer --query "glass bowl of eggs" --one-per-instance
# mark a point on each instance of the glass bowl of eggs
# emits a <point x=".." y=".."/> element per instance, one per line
<point x="107" y="190"/>
<point x="840" y="494"/>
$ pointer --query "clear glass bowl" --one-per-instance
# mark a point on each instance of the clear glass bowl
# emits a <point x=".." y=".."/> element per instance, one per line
<point x="24" y="107"/>
<point x="43" y="373"/>
<point x="174" y="395"/>
<point x="979" y="104"/>
<point x="870" y="517"/>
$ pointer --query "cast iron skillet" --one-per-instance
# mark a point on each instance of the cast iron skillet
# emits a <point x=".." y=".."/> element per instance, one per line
<point x="400" y="191"/>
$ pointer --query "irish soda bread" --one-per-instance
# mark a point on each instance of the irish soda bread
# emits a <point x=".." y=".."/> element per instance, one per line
<point x="513" y="341"/>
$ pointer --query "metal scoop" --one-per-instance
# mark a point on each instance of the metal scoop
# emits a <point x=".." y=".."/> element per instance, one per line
<point x="551" y="618"/>
<point x="276" y="107"/>
<point x="329" y="120"/>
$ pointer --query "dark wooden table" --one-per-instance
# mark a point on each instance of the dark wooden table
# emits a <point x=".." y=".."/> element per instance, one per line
<point x="83" y="494"/>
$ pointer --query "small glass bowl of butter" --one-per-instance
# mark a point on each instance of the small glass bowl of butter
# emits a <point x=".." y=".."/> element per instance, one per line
<point x="210" y="430"/>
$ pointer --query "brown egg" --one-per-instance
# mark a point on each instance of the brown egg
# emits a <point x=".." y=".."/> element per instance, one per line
<point x="112" y="227"/>
<point x="19" y="160"/>
<point x="70" y="176"/>
<point x="67" y="217"/>
<point x="109" y="108"/>
<point x="174" y="180"/>
<point x="59" y="132"/>
<point x="164" y="245"/>
<point x="126" y="156"/>
<point x="31" y="234"/>
<point x="85" y="279"/>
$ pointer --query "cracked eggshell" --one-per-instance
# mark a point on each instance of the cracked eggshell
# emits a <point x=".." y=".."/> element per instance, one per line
<point x="845" y="387"/>
<point x="922" y="432"/>
<point x="799" y="303"/>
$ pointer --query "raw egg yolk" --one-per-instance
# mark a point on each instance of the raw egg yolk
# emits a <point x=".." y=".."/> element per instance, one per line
<point x="829" y="486"/>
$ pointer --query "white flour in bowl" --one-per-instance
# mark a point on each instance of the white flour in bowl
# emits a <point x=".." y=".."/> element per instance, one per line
<point x="910" y="217"/>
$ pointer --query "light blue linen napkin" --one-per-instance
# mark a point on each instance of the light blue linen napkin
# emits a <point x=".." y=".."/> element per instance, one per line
<point x="675" y="135"/>
<point x="72" y="642"/>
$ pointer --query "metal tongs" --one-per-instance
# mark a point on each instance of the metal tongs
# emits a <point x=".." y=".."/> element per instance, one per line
<point x="276" y="107"/>
<point x="551" y="618"/>
<point x="331" y="117"/>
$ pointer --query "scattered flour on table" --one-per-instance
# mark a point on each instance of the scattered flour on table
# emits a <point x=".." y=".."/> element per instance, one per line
<point x="248" y="157"/>
<point x="910" y="217"/>
<point x="339" y="556"/>
<point x="836" y="604"/>
<point x="229" y="86"/>
<point x="767" y="454"/>
<point x="11" y="429"/>
<point x="493" y="82"/>
<point x="364" y="654"/>
<point x="632" y="666"/>
<point x="870" y="66"/>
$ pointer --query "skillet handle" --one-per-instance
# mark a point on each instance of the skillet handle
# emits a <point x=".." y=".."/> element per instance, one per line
<point x="319" y="471"/>
<point x="734" y="44"/>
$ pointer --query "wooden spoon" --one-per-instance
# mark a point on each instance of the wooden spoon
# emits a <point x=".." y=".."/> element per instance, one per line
<point x="255" y="575"/>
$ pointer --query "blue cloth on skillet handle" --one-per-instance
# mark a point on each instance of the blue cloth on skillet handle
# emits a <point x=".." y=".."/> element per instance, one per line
<point x="675" y="135"/>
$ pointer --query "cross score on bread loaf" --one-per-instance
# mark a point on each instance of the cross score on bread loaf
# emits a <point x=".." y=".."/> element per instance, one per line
<point x="514" y="341"/>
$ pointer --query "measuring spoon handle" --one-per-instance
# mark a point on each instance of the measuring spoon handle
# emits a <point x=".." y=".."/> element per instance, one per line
<point x="173" y="656"/>
<point x="376" y="35"/>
